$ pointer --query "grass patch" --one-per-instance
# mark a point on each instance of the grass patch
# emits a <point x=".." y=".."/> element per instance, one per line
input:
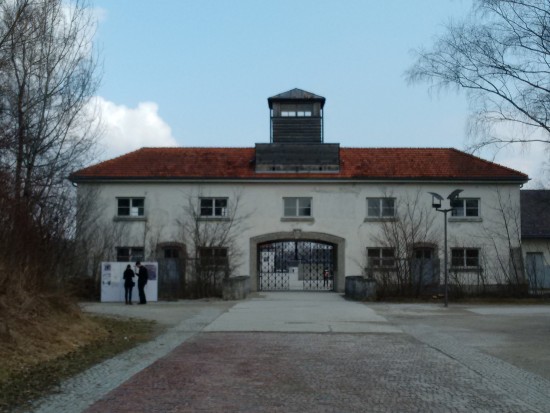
<point x="28" y="375"/>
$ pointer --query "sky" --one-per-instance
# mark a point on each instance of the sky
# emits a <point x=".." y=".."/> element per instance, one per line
<point x="199" y="72"/>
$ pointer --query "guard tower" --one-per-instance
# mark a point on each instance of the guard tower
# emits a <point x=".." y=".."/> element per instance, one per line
<point x="296" y="136"/>
<point x="296" y="117"/>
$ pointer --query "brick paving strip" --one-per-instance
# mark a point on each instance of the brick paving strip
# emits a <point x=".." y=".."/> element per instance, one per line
<point x="289" y="354"/>
<point x="294" y="372"/>
<point x="76" y="394"/>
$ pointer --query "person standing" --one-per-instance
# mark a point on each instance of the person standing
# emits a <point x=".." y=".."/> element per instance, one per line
<point x="143" y="275"/>
<point x="326" y="275"/>
<point x="128" y="284"/>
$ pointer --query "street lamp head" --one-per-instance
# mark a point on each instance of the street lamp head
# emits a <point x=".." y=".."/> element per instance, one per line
<point x="453" y="195"/>
<point x="436" y="200"/>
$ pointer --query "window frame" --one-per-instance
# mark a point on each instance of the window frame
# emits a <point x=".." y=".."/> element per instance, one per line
<point x="297" y="207"/>
<point x="381" y="207"/>
<point x="296" y="111"/>
<point x="216" y="258"/>
<point x="464" y="258"/>
<point x="170" y="252"/>
<point x="130" y="207"/>
<point x="464" y="208"/>
<point x="381" y="261"/>
<point x="224" y="210"/>
<point x="131" y="256"/>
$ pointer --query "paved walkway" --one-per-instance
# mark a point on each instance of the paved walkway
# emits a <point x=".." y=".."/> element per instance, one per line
<point x="184" y="319"/>
<point x="310" y="352"/>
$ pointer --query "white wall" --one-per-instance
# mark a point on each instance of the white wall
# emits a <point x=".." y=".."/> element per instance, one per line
<point x="338" y="209"/>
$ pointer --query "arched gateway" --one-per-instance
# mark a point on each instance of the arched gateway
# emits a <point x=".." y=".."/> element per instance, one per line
<point x="297" y="260"/>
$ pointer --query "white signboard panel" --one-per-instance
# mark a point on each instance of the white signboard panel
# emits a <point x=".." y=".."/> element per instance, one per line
<point x="112" y="283"/>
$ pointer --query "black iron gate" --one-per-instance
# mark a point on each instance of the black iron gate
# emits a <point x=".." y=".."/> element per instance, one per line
<point x="296" y="265"/>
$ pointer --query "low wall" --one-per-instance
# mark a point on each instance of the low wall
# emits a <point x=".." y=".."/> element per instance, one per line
<point x="236" y="288"/>
<point x="359" y="287"/>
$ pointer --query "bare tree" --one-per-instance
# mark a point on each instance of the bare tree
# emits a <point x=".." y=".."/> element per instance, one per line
<point x="212" y="242"/>
<point x="48" y="73"/>
<point x="502" y="238"/>
<point x="94" y="240"/>
<point x="500" y="55"/>
<point x="409" y="229"/>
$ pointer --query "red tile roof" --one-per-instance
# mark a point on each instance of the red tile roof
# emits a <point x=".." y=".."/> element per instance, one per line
<point x="355" y="163"/>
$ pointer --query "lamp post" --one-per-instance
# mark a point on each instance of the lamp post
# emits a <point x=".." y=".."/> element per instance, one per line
<point x="436" y="204"/>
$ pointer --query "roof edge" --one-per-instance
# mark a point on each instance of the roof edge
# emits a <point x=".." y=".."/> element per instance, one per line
<point x="279" y="178"/>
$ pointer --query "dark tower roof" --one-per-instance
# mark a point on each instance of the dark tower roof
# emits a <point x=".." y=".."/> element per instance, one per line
<point x="295" y="95"/>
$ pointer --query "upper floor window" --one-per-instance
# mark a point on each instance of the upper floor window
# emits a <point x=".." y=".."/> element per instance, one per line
<point x="380" y="207"/>
<point x="297" y="207"/>
<point x="465" y="207"/>
<point x="131" y="207"/>
<point x="381" y="257"/>
<point x="129" y="254"/>
<point x="213" y="207"/>
<point x="465" y="258"/>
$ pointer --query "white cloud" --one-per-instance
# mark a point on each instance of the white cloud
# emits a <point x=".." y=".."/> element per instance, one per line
<point x="126" y="129"/>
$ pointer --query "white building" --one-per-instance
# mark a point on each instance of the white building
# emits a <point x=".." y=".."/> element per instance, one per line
<point x="535" y="236"/>
<point x="283" y="212"/>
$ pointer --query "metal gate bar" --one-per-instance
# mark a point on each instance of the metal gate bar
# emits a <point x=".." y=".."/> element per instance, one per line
<point x="296" y="265"/>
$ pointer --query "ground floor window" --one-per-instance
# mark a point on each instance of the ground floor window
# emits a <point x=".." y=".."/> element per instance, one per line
<point x="129" y="254"/>
<point x="381" y="257"/>
<point x="465" y="258"/>
<point x="213" y="257"/>
<point x="171" y="252"/>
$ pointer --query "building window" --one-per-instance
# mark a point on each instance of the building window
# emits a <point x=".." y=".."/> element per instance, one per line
<point x="297" y="207"/>
<point x="131" y="207"/>
<point x="296" y="110"/>
<point x="213" y="207"/>
<point x="210" y="257"/>
<point x="129" y="254"/>
<point x="381" y="257"/>
<point x="380" y="207"/>
<point x="465" y="258"/>
<point x="465" y="207"/>
<point x="295" y="113"/>
<point x="171" y="252"/>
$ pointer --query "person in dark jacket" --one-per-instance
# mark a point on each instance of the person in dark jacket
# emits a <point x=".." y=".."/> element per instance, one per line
<point x="143" y="275"/>
<point x="128" y="284"/>
<point x="326" y="275"/>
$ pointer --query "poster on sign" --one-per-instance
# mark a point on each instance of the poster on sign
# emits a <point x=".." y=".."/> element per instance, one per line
<point x="112" y="283"/>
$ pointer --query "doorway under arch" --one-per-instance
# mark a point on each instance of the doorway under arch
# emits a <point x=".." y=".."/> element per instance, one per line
<point x="297" y="260"/>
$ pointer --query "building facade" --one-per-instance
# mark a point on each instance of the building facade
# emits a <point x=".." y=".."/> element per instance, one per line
<point x="535" y="236"/>
<point x="300" y="213"/>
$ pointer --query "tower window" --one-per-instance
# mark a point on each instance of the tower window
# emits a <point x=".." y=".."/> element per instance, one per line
<point x="288" y="111"/>
<point x="300" y="113"/>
